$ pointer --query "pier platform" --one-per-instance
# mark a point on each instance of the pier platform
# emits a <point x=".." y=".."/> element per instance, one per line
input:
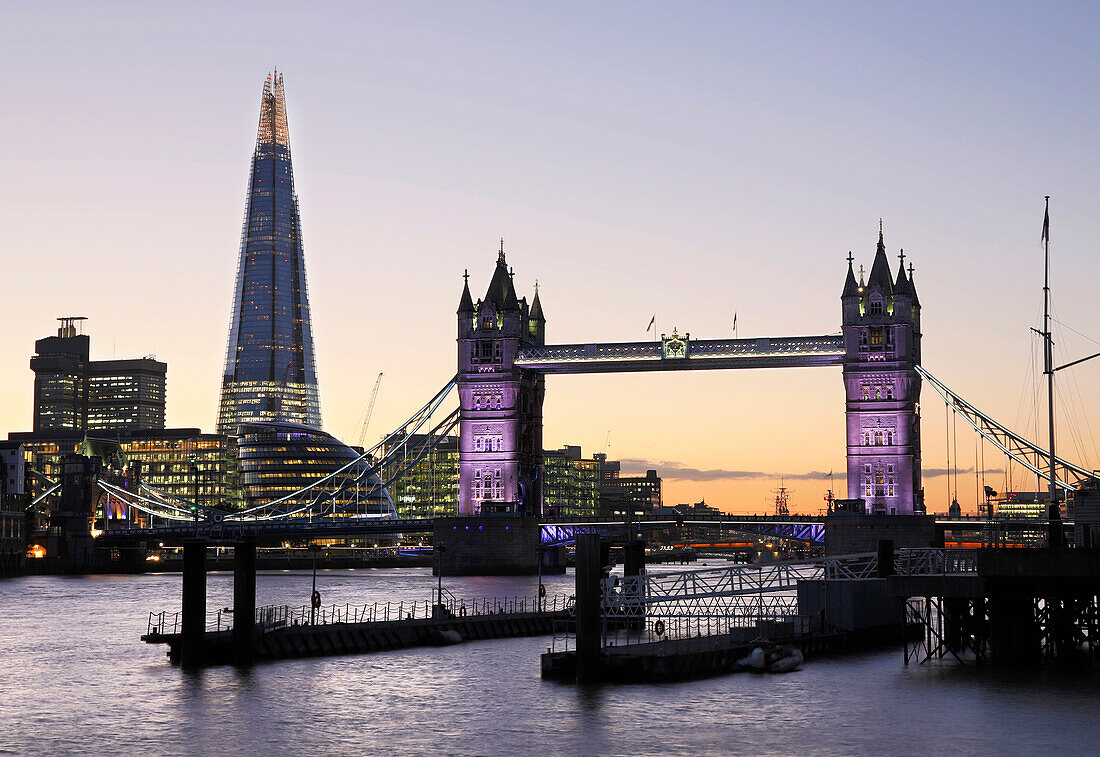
<point x="284" y="633"/>
<point x="322" y="640"/>
<point x="706" y="656"/>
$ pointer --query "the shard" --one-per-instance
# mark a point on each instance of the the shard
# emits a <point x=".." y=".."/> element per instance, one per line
<point x="270" y="373"/>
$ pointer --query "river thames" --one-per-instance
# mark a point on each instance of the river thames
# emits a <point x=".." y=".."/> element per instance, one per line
<point x="76" y="679"/>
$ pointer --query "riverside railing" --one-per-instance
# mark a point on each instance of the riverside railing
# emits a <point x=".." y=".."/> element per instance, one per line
<point x="656" y="629"/>
<point x="271" y="617"/>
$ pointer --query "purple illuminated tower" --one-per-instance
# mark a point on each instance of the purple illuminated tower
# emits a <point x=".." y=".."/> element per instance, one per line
<point x="500" y="441"/>
<point x="881" y="326"/>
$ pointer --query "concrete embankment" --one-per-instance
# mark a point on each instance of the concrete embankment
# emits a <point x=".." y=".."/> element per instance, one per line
<point x="356" y="638"/>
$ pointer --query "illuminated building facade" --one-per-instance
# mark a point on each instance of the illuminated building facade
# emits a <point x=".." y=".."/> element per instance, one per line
<point x="570" y="484"/>
<point x="180" y="462"/>
<point x="429" y="486"/>
<point x="500" y="403"/>
<point x="60" y="365"/>
<point x="1024" y="504"/>
<point x="13" y="539"/>
<point x="74" y="393"/>
<point x="277" y="459"/>
<point x="126" y="394"/>
<point x="636" y="495"/>
<point x="881" y="327"/>
<point x="270" y="373"/>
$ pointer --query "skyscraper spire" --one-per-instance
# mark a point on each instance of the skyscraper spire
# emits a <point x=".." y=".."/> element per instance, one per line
<point x="270" y="372"/>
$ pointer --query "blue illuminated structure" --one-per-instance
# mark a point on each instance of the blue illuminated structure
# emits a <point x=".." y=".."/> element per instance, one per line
<point x="270" y="373"/>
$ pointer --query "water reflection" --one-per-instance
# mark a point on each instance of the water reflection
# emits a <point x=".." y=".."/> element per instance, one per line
<point x="75" y="678"/>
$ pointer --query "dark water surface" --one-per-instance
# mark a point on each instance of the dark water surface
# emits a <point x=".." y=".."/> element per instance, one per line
<point x="74" y="678"/>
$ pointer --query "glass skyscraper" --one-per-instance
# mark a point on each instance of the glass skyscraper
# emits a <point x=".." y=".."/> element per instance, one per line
<point x="270" y="374"/>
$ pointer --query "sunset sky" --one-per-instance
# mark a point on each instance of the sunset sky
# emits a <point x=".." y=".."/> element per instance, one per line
<point x="688" y="160"/>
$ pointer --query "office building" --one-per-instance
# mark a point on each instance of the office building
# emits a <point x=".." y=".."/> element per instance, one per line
<point x="180" y="463"/>
<point x="637" y="495"/>
<point x="424" y="481"/>
<point x="270" y="374"/>
<point x="75" y="393"/>
<point x="570" y="483"/>
<point x="279" y="459"/>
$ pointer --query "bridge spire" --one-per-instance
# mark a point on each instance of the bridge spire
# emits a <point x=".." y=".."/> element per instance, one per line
<point x="851" y="288"/>
<point x="466" y="304"/>
<point x="880" y="269"/>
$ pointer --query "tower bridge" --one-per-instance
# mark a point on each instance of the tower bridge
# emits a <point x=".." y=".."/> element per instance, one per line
<point x="503" y="359"/>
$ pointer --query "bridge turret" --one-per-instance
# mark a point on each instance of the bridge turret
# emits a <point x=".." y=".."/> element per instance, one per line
<point x="536" y="321"/>
<point x="467" y="313"/>
<point x="500" y="444"/>
<point x="882" y="345"/>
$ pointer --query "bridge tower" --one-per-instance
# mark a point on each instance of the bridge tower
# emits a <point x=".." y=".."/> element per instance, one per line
<point x="500" y="441"/>
<point x="881" y="327"/>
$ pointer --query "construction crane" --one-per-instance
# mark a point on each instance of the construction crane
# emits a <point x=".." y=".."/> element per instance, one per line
<point x="369" y="411"/>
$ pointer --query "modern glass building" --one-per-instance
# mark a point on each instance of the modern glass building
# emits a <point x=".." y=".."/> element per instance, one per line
<point x="178" y="462"/>
<point x="270" y="374"/>
<point x="425" y="482"/>
<point x="570" y="483"/>
<point x="279" y="459"/>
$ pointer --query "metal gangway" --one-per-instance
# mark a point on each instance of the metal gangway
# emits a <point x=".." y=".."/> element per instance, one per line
<point x="709" y="601"/>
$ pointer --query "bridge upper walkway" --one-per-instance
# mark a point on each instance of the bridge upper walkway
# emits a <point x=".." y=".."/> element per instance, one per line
<point x="614" y="357"/>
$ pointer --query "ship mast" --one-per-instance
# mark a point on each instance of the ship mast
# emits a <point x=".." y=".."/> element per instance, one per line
<point x="1054" y="512"/>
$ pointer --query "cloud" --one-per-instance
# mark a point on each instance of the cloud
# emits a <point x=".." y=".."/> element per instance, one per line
<point x="937" y="472"/>
<point x="673" y="470"/>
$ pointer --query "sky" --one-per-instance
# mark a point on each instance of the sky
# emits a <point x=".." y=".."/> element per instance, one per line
<point x="683" y="160"/>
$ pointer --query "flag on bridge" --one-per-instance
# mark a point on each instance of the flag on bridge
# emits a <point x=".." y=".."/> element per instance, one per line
<point x="734" y="321"/>
<point x="652" y="321"/>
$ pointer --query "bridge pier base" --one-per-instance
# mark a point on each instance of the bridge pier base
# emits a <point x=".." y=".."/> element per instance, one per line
<point x="244" y="604"/>
<point x="492" y="546"/>
<point x="193" y="625"/>
<point x="588" y="575"/>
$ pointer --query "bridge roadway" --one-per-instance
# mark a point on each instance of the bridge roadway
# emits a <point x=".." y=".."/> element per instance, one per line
<point x="809" y="529"/>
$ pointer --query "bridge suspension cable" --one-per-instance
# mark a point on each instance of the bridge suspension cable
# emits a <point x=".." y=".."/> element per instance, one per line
<point x="1067" y="475"/>
<point x="357" y="480"/>
<point x="352" y="473"/>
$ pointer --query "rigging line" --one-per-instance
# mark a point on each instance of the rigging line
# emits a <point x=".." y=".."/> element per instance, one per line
<point x="1088" y="425"/>
<point x="977" y="495"/>
<point x="982" y="442"/>
<point x="1077" y="408"/>
<point x="1069" y="410"/>
<point x="955" y="450"/>
<point x="1022" y="449"/>
<point x="1074" y="429"/>
<point x="419" y="418"/>
<point x="947" y="428"/>
<point x="1075" y="331"/>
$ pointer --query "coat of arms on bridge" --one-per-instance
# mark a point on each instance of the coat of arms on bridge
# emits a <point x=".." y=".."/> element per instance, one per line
<point x="674" y="347"/>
